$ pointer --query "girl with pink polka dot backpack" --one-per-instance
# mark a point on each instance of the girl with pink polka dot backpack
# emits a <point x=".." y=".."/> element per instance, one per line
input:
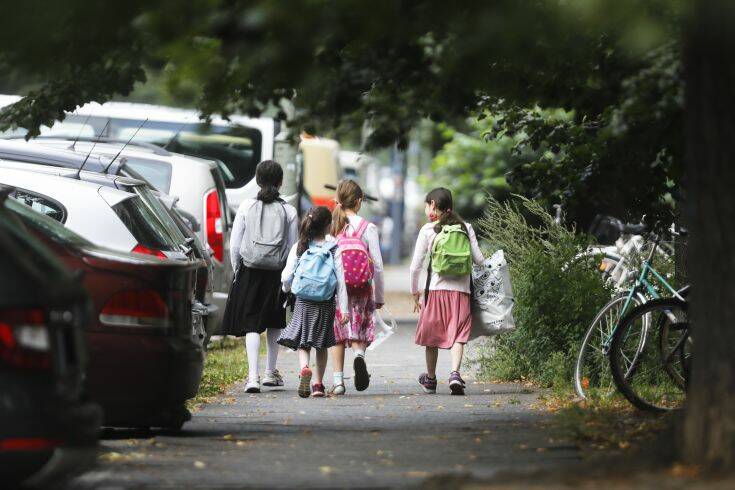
<point x="359" y="247"/>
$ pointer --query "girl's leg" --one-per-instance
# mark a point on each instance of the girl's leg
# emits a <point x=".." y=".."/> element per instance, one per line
<point x="359" y="347"/>
<point x="304" y="389"/>
<point x="457" y="353"/>
<point x="252" y="347"/>
<point x="338" y="363"/>
<point x="304" y="358"/>
<point x="271" y="357"/>
<point x="432" y="355"/>
<point x="321" y="365"/>
<point x="362" y="377"/>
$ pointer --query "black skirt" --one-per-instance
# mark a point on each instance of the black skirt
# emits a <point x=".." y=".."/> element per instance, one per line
<point x="255" y="302"/>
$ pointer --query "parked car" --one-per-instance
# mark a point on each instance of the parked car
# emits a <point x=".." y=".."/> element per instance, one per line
<point x="48" y="428"/>
<point x="145" y="338"/>
<point x="198" y="194"/>
<point x="238" y="143"/>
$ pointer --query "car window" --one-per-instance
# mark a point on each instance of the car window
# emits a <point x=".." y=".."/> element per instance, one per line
<point x="45" y="224"/>
<point x="238" y="147"/>
<point x="41" y="204"/>
<point x="159" y="210"/>
<point x="143" y="224"/>
<point x="158" y="174"/>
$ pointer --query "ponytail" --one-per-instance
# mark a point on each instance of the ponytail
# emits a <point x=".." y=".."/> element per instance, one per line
<point x="269" y="177"/>
<point x="442" y="199"/>
<point x="315" y="223"/>
<point x="349" y="194"/>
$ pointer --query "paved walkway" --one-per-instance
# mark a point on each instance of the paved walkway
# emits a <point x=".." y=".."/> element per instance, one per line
<point x="388" y="436"/>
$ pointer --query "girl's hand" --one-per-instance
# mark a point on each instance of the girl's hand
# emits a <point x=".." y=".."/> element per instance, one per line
<point x="379" y="305"/>
<point x="416" y="302"/>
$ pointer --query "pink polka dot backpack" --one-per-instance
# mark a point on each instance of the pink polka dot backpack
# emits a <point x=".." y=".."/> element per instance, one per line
<point x="356" y="259"/>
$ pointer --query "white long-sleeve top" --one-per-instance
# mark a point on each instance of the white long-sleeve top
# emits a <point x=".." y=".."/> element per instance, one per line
<point x="372" y="240"/>
<point x="449" y="283"/>
<point x="238" y="228"/>
<point x="293" y="260"/>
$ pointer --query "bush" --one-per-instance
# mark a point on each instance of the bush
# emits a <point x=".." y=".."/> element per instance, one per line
<point x="557" y="294"/>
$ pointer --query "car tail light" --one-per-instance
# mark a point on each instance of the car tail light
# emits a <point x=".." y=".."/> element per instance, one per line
<point x="141" y="249"/>
<point x="24" y="339"/>
<point x="28" y="444"/>
<point x="143" y="308"/>
<point x="213" y="222"/>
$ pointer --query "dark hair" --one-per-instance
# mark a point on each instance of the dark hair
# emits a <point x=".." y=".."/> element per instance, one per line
<point x="315" y="223"/>
<point x="268" y="176"/>
<point x="442" y="198"/>
<point x="348" y="193"/>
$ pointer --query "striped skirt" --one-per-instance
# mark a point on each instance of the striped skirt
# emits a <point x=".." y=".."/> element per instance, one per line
<point x="312" y="325"/>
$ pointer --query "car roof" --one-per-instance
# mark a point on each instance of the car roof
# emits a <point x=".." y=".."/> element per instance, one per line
<point x="34" y="153"/>
<point x="51" y="184"/>
<point x="115" y="181"/>
<point x="138" y="111"/>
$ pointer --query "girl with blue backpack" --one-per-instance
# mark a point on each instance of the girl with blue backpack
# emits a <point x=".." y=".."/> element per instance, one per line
<point x="445" y="319"/>
<point x="314" y="275"/>
<point x="359" y="249"/>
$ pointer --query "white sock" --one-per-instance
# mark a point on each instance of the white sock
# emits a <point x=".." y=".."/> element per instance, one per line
<point x="271" y="357"/>
<point x="339" y="378"/>
<point x="252" y="346"/>
<point x="359" y="353"/>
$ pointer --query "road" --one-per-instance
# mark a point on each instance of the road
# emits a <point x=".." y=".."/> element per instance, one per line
<point x="390" y="435"/>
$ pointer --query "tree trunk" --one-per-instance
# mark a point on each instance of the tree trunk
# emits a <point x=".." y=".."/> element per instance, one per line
<point x="709" y="429"/>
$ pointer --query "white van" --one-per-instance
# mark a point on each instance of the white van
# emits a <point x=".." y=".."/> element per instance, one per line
<point x="237" y="145"/>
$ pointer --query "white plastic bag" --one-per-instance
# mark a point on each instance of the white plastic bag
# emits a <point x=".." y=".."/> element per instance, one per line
<point x="492" y="298"/>
<point x="382" y="329"/>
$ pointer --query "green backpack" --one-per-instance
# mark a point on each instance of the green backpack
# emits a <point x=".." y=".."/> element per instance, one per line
<point x="450" y="253"/>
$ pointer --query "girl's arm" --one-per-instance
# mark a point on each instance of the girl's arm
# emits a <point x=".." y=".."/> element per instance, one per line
<point x="417" y="263"/>
<point x="236" y="236"/>
<point x="341" y="285"/>
<point x="373" y="241"/>
<point x="288" y="271"/>
<point x="477" y="257"/>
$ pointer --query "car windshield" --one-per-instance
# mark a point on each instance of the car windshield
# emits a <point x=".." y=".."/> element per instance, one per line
<point x="143" y="224"/>
<point x="46" y="225"/>
<point x="237" y="147"/>
<point x="163" y="215"/>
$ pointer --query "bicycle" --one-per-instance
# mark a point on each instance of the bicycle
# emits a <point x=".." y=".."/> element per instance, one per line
<point x="656" y="375"/>
<point x="592" y="376"/>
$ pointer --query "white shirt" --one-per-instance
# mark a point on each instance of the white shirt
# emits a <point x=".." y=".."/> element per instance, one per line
<point x="371" y="239"/>
<point x="238" y="229"/>
<point x="448" y="283"/>
<point x="293" y="260"/>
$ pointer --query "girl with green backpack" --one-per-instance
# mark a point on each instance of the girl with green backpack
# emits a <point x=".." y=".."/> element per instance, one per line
<point x="445" y="319"/>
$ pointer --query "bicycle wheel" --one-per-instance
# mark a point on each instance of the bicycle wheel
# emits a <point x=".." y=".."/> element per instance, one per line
<point x="636" y="359"/>
<point x="592" y="378"/>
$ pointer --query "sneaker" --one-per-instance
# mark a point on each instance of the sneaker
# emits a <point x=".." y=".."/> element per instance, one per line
<point x="337" y="390"/>
<point x="317" y="390"/>
<point x="362" y="377"/>
<point x="272" y="378"/>
<point x="427" y="384"/>
<point x="456" y="383"/>
<point x="252" y="386"/>
<point x="305" y="382"/>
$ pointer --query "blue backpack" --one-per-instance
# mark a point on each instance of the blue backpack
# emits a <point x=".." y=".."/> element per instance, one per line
<point x="315" y="278"/>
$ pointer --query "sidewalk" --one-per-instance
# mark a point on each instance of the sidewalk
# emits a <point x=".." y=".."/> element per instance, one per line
<point x="398" y="297"/>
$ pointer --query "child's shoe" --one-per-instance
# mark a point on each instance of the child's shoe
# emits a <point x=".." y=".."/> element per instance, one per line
<point x="427" y="384"/>
<point x="272" y="378"/>
<point x="317" y="390"/>
<point x="362" y="378"/>
<point x="456" y="383"/>
<point x="305" y="382"/>
<point x="338" y="390"/>
<point x="253" y="386"/>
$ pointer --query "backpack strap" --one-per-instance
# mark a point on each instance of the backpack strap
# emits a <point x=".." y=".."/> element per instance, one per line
<point x="361" y="229"/>
<point x="428" y="272"/>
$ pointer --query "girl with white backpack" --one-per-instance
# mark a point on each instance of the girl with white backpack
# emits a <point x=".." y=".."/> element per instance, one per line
<point x="359" y="247"/>
<point x="314" y="274"/>
<point x="445" y="319"/>
<point x="262" y="233"/>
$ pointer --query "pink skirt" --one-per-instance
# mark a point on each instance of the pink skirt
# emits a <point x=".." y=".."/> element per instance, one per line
<point x="446" y="319"/>
<point x="361" y="326"/>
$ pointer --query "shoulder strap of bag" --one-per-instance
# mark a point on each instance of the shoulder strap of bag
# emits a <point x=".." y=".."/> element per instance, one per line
<point x="428" y="272"/>
<point x="361" y="229"/>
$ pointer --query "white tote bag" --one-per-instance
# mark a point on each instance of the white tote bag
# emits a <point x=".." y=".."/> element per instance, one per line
<point x="383" y="330"/>
<point x="492" y="297"/>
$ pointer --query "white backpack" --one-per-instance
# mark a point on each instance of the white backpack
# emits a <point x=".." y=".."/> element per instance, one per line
<point x="264" y="245"/>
